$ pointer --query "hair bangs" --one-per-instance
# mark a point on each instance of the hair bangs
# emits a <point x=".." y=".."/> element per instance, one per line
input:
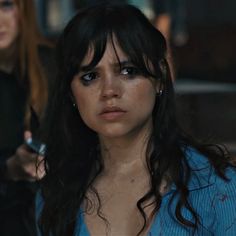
<point x="131" y="35"/>
<point x="81" y="39"/>
<point x="104" y="24"/>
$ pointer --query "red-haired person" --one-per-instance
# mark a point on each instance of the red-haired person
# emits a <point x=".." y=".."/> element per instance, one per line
<point x="26" y="62"/>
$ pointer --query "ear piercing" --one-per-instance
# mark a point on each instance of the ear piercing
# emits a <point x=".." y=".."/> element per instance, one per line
<point x="159" y="93"/>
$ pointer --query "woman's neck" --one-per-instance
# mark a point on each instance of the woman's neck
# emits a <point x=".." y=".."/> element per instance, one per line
<point x="125" y="153"/>
<point x="7" y="59"/>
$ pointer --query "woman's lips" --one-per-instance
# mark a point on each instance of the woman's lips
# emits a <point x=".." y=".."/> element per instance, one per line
<point x="112" y="113"/>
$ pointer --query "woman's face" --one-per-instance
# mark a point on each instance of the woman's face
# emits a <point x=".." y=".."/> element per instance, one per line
<point x="114" y="101"/>
<point x="9" y="27"/>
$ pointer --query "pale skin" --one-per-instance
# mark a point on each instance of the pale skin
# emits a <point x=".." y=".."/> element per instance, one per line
<point x="22" y="165"/>
<point x="117" y="103"/>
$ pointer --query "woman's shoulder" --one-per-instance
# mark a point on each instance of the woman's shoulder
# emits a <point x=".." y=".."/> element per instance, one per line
<point x="204" y="174"/>
<point x="212" y="194"/>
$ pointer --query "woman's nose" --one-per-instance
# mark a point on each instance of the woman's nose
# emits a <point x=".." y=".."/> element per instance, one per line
<point x="111" y="87"/>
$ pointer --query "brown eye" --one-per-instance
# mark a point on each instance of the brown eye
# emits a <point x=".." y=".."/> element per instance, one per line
<point x="88" y="78"/>
<point x="131" y="71"/>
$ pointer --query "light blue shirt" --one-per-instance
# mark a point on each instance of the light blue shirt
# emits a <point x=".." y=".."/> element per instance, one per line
<point x="211" y="197"/>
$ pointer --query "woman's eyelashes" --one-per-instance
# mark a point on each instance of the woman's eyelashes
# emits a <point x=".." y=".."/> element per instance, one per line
<point x="127" y="71"/>
<point x="87" y="78"/>
<point x="130" y="71"/>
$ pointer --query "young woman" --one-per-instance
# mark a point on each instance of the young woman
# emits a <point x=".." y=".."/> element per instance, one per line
<point x="25" y="63"/>
<point x="117" y="162"/>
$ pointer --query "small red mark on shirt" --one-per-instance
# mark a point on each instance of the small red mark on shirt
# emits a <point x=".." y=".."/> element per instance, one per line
<point x="223" y="197"/>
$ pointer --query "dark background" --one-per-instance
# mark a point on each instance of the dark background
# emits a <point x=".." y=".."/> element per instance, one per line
<point x="210" y="53"/>
<point x="206" y="69"/>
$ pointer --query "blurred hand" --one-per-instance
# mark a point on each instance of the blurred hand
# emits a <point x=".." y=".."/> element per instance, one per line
<point x="25" y="164"/>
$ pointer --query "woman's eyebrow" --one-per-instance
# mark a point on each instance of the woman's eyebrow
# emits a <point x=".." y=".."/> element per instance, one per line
<point x="123" y="63"/>
<point x="86" y="68"/>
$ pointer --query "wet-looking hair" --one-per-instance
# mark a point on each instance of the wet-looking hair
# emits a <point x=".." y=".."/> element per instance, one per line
<point x="73" y="158"/>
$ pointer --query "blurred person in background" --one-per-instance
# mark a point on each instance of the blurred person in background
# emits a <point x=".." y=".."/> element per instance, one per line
<point x="26" y="66"/>
<point x="170" y="19"/>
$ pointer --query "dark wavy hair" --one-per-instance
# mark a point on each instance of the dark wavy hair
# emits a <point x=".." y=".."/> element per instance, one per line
<point x="73" y="158"/>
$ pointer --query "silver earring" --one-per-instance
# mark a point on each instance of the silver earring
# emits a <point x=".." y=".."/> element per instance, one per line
<point x="160" y="92"/>
<point x="74" y="105"/>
